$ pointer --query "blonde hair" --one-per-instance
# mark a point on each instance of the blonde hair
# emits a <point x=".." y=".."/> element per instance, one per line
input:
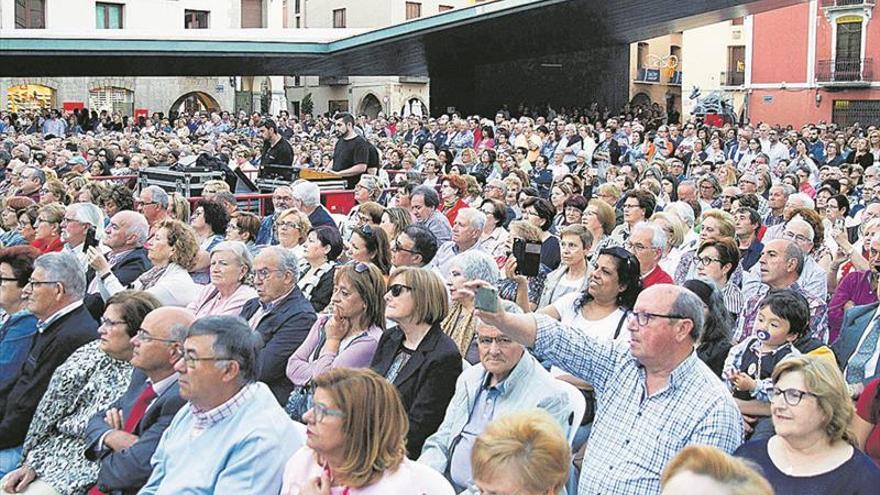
<point x="219" y="185"/>
<point x="727" y="227"/>
<point x="299" y="218"/>
<point x="735" y="474"/>
<point x="606" y="215"/>
<point x="823" y="378"/>
<point x="182" y="238"/>
<point x="430" y="302"/>
<point x="676" y="237"/>
<point x="374" y="422"/>
<point x="528" y="231"/>
<point x="527" y="444"/>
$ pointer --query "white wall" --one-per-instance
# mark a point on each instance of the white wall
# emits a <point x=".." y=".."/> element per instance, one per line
<point x="706" y="50"/>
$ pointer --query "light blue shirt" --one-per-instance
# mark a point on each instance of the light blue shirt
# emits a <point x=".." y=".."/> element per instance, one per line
<point x="241" y="453"/>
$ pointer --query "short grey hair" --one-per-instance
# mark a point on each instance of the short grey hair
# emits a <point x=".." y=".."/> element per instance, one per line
<point x="137" y="226"/>
<point x="477" y="217"/>
<point x="66" y="269"/>
<point x="38" y="173"/>
<point x="658" y="235"/>
<point x="307" y="192"/>
<point x="794" y="252"/>
<point x="234" y="339"/>
<point x="684" y="211"/>
<point x="287" y="261"/>
<point x="803" y="200"/>
<point x="689" y="306"/>
<point x="241" y="252"/>
<point x="477" y="265"/>
<point x="158" y="196"/>
<point x="90" y="214"/>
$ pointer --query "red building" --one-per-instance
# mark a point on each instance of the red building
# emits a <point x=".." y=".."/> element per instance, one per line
<point x="815" y="62"/>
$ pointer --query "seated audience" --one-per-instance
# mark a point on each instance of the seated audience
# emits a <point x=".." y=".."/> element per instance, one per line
<point x="18" y="332"/>
<point x="322" y="248"/>
<point x="231" y="270"/>
<point x="414" y="246"/>
<point x="704" y="469"/>
<point x="460" y="323"/>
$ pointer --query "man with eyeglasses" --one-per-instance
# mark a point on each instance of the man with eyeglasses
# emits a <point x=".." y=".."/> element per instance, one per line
<point x="79" y="219"/>
<point x="655" y="395"/>
<point x="123" y="437"/>
<point x="282" y="199"/>
<point x="414" y="246"/>
<point x="54" y="295"/>
<point x="748" y="184"/>
<point x="424" y="204"/>
<point x="30" y="182"/>
<point x="232" y="437"/>
<point x="507" y="379"/>
<point x="280" y="315"/>
<point x="152" y="203"/>
<point x="647" y="242"/>
<point x="781" y="265"/>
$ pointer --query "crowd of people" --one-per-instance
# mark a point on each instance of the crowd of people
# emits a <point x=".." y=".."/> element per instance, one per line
<point x="532" y="305"/>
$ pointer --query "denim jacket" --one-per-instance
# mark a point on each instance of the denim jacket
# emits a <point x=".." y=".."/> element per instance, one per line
<point x="16" y="337"/>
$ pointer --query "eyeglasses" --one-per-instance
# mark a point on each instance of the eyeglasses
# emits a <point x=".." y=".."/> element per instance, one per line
<point x="42" y="282"/>
<point x="287" y="225"/>
<point x="501" y="340"/>
<point x="397" y="289"/>
<point x="107" y="322"/>
<point x="626" y="206"/>
<point x="643" y="318"/>
<point x="792" y="396"/>
<point x="796" y="237"/>
<point x="143" y="335"/>
<point x="706" y="261"/>
<point x="191" y="360"/>
<point x="395" y="246"/>
<point x="144" y="204"/>
<point x="264" y="272"/>
<point x="8" y="279"/>
<point x="320" y="411"/>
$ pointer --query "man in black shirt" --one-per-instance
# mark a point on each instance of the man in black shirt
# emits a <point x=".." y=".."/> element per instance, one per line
<point x="352" y="152"/>
<point x="276" y="150"/>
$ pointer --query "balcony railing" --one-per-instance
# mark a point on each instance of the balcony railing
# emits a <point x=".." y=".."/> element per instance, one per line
<point x="846" y="3"/>
<point x="845" y="71"/>
<point x="645" y="75"/>
<point x="675" y="78"/>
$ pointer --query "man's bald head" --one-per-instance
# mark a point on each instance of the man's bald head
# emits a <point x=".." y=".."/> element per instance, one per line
<point x="156" y="341"/>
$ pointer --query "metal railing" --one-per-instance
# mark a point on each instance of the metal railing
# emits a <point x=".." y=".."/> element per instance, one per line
<point x="845" y="70"/>
<point x="846" y="3"/>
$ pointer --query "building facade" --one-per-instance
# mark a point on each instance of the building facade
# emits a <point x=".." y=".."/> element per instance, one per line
<point x="655" y="68"/>
<point x="361" y="94"/>
<point x="813" y="62"/>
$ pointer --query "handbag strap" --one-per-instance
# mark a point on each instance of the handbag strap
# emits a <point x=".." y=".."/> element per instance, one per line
<point x="322" y="339"/>
<point x="619" y="326"/>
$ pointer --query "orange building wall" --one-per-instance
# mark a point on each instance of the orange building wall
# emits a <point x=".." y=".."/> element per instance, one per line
<point x="780" y="45"/>
<point x="798" y="107"/>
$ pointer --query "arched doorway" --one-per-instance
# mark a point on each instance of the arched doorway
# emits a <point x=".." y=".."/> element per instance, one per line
<point x="415" y="107"/>
<point x="265" y="96"/>
<point x="641" y="99"/>
<point x="29" y="97"/>
<point x="370" y="106"/>
<point x="194" y="102"/>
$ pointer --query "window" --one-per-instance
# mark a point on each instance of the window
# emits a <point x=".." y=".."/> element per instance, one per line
<point x="30" y="14"/>
<point x="195" y="19"/>
<point x="444" y="8"/>
<point x="848" y="49"/>
<point x="845" y="113"/>
<point x="642" y="55"/>
<point x="413" y="10"/>
<point x="297" y="7"/>
<point x="108" y="15"/>
<point x="298" y="22"/>
<point x="251" y="14"/>
<point x="339" y="18"/>
<point x="736" y="66"/>
<point x="737" y="22"/>
<point x="335" y="106"/>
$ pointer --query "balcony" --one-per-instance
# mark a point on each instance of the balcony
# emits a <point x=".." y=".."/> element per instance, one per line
<point x="732" y="78"/>
<point x="840" y="4"/>
<point x="675" y="78"/>
<point x="845" y="72"/>
<point x="645" y="75"/>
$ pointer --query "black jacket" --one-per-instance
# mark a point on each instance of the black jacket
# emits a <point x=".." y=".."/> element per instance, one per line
<point x="127" y="471"/>
<point x="127" y="270"/>
<point x="50" y="349"/>
<point x="426" y="383"/>
<point x="283" y="330"/>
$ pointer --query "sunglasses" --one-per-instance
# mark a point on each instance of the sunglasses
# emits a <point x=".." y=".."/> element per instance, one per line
<point x="397" y="289"/>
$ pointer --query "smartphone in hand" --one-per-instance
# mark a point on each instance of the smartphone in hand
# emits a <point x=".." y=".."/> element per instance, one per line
<point x="486" y="299"/>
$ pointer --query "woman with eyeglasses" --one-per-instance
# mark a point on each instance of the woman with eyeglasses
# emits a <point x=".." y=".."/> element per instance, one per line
<point x="20" y="325"/>
<point x="47" y="237"/>
<point x="292" y="227"/>
<point x="244" y="227"/>
<point x="172" y="251"/>
<point x="415" y="355"/>
<point x="370" y="245"/>
<point x="54" y="191"/>
<point x="90" y="380"/>
<point x="357" y="433"/>
<point x="716" y="260"/>
<point x="345" y="337"/>
<point x="812" y="450"/>
<point x="229" y="289"/>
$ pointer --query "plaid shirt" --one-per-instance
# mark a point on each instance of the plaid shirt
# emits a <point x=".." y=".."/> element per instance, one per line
<point x="209" y="418"/>
<point x="818" y="314"/>
<point x="634" y="434"/>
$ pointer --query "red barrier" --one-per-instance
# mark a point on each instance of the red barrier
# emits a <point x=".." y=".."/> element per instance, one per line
<point x="114" y="177"/>
<point x="338" y="202"/>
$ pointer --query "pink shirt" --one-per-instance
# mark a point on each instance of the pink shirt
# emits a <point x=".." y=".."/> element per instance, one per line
<point x="209" y="301"/>
<point x="410" y="478"/>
